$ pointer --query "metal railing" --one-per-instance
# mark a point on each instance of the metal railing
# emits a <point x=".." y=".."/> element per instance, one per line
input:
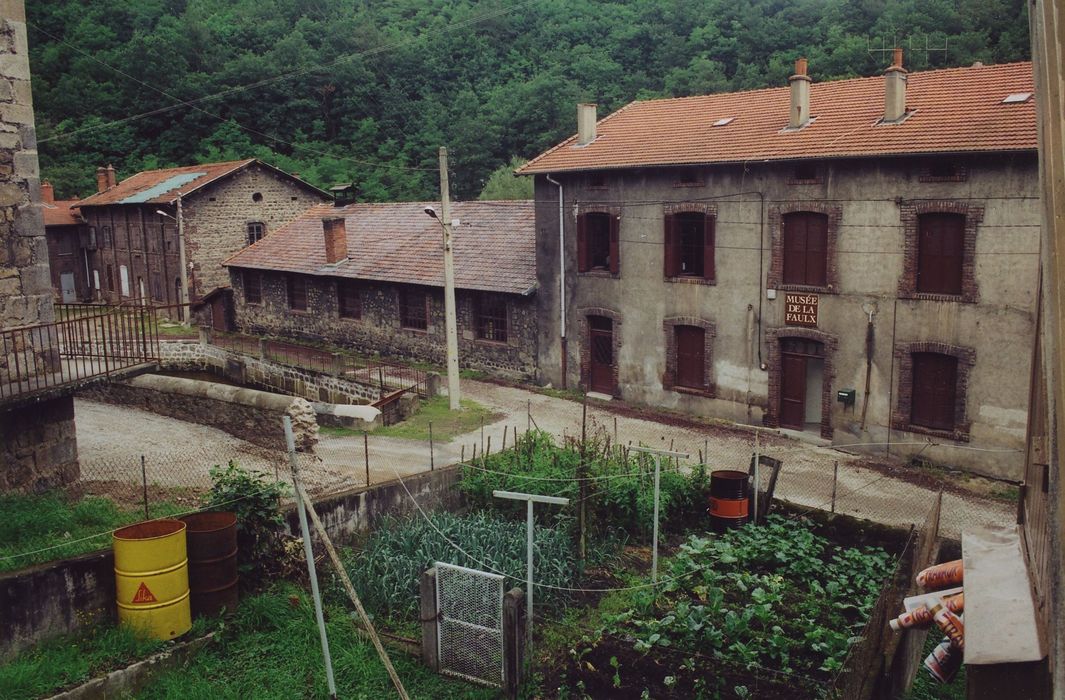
<point x="84" y="344"/>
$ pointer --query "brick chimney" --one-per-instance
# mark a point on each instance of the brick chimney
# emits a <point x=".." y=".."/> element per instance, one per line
<point x="799" y="114"/>
<point x="101" y="179"/>
<point x="112" y="179"/>
<point x="336" y="239"/>
<point x="895" y="89"/>
<point x="47" y="193"/>
<point x="585" y="123"/>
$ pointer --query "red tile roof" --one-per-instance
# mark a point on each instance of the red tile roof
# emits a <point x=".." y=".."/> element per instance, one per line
<point x="953" y="110"/>
<point x="163" y="186"/>
<point x="495" y="245"/>
<point x="62" y="213"/>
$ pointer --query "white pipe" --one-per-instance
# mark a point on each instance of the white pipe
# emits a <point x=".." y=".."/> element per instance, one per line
<point x="561" y="258"/>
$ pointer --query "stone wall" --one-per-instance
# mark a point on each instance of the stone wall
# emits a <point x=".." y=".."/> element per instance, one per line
<point x="378" y="330"/>
<point x="248" y="414"/>
<point x="37" y="443"/>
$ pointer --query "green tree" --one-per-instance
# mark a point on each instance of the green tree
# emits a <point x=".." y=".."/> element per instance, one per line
<point x="504" y="184"/>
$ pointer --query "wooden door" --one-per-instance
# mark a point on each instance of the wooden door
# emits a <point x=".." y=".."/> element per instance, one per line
<point x="792" y="391"/>
<point x="601" y="345"/>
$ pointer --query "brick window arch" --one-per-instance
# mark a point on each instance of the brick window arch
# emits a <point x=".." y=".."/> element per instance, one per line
<point x="689" y="355"/>
<point x="791" y="225"/>
<point x="933" y="384"/>
<point x="830" y="343"/>
<point x="939" y="236"/>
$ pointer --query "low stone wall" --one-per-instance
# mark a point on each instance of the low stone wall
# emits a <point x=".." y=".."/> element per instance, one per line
<point x="249" y="414"/>
<point x="52" y="599"/>
<point x="246" y="369"/>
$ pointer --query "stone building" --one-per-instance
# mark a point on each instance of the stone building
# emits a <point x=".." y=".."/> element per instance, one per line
<point x="370" y="277"/>
<point x="221" y="207"/>
<point x="69" y="247"/>
<point x="38" y="444"/>
<point x="857" y="259"/>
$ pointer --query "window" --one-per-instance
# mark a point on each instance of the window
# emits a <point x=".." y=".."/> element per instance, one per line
<point x="412" y="309"/>
<point x="689" y="245"/>
<point x="805" y="173"/>
<point x="110" y="278"/>
<point x="349" y="303"/>
<point x="805" y="249"/>
<point x="597" y="181"/>
<point x="940" y="246"/>
<point x="297" y="292"/>
<point x="934" y="394"/>
<point x="96" y="279"/>
<point x="689" y="177"/>
<point x="257" y="197"/>
<point x="597" y="243"/>
<point x="691" y="357"/>
<point x="490" y="317"/>
<point x="256" y="230"/>
<point x="253" y="287"/>
<point x="106" y="235"/>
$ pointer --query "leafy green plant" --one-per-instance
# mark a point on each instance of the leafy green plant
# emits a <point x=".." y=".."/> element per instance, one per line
<point x="256" y="499"/>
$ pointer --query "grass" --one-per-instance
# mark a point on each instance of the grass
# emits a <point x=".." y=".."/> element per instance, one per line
<point x="41" y="522"/>
<point x="271" y="650"/>
<point x="447" y="424"/>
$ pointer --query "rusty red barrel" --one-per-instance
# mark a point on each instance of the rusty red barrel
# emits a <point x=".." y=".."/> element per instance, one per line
<point x="212" y="545"/>
<point x="728" y="499"/>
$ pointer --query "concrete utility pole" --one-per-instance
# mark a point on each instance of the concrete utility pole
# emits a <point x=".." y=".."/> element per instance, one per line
<point x="450" y="321"/>
<point x="185" y="310"/>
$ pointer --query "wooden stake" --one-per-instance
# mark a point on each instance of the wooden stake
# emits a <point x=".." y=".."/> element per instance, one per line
<point x="366" y="452"/>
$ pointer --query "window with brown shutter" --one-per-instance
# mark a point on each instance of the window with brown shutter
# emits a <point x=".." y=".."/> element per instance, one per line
<point x="412" y="309"/>
<point x="805" y="249"/>
<point x="691" y="357"/>
<point x="689" y="245"/>
<point x="297" y="292"/>
<point x="490" y="317"/>
<point x="253" y="287"/>
<point x="349" y="302"/>
<point x="940" y="252"/>
<point x="597" y="242"/>
<point x="935" y="384"/>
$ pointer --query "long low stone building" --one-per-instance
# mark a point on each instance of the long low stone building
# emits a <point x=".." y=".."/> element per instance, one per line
<point x="370" y="277"/>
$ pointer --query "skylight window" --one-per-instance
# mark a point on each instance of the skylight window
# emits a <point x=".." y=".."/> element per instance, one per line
<point x="725" y="121"/>
<point x="1017" y="98"/>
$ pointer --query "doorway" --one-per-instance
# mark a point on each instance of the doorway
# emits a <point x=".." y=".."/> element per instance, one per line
<point x="802" y="368"/>
<point x="66" y="285"/>
<point x="601" y="346"/>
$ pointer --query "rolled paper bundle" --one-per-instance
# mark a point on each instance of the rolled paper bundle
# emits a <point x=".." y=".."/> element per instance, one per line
<point x="922" y="617"/>
<point x="941" y="575"/>
<point x="944" y="661"/>
<point x="951" y="625"/>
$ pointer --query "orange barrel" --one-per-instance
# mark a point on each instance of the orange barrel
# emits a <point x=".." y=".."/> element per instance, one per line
<point x="728" y="499"/>
<point x="212" y="538"/>
<point x="152" y="577"/>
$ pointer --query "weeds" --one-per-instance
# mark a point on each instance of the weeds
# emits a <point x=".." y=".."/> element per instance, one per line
<point x="447" y="424"/>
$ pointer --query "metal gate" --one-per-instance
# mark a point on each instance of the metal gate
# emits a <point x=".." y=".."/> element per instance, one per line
<point x="469" y="623"/>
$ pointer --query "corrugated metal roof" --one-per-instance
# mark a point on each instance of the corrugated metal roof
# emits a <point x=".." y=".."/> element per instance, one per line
<point x="173" y="182"/>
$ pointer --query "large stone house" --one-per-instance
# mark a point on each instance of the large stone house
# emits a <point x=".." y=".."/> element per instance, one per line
<point x="370" y="277"/>
<point x="855" y="259"/>
<point x="221" y="208"/>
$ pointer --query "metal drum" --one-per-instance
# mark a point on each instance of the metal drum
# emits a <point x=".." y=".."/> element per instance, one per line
<point x="152" y="578"/>
<point x="212" y="538"/>
<point x="729" y="503"/>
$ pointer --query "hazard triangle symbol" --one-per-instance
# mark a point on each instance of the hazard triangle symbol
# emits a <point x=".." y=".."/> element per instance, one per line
<point x="143" y="595"/>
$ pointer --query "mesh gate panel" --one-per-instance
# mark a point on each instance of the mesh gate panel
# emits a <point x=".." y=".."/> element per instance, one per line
<point x="470" y="623"/>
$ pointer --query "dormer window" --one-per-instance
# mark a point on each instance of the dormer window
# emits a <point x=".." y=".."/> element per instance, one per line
<point x="805" y="173"/>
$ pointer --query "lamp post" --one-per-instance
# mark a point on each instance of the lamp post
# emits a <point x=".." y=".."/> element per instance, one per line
<point x="450" y="322"/>
<point x="181" y="260"/>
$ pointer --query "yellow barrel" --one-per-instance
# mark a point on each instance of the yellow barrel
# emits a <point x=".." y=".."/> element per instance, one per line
<point x="152" y="578"/>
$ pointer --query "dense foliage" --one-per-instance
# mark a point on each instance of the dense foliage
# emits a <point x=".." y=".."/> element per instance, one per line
<point x="256" y="500"/>
<point x="373" y="88"/>
<point x="777" y="597"/>
<point x="620" y="484"/>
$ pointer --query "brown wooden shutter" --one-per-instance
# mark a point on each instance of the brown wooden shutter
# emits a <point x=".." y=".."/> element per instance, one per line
<point x="794" y="248"/>
<point x="691" y="357"/>
<point x="934" y="394"/>
<point x="582" y="243"/>
<point x="670" y="245"/>
<point x="816" y="250"/>
<point x="709" y="243"/>
<point x="940" y="251"/>
<point x="615" y="247"/>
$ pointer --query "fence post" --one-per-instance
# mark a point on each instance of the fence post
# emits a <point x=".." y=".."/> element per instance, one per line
<point x="835" y="478"/>
<point x="429" y="613"/>
<point x="144" y="481"/>
<point x="366" y="452"/>
<point x="513" y="642"/>
<point x="432" y="464"/>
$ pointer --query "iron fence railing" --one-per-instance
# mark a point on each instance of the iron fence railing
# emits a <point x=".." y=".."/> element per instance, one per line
<point x="80" y="346"/>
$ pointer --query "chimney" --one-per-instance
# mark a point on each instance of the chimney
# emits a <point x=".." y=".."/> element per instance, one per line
<point x="585" y="123"/>
<point x="799" y="115"/>
<point x="101" y="179"/>
<point x="47" y="193"/>
<point x="336" y="240"/>
<point x="895" y="89"/>
<point x="112" y="180"/>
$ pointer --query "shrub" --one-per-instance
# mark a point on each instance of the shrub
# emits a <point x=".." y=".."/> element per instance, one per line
<point x="256" y="500"/>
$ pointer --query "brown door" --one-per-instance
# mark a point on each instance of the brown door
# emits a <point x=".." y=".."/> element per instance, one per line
<point x="792" y="391"/>
<point x="601" y="343"/>
<point x="218" y="314"/>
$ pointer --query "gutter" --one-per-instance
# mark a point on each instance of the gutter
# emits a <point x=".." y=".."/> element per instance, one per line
<point x="561" y="274"/>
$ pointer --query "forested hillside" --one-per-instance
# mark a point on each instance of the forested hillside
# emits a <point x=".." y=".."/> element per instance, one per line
<point x="366" y="90"/>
